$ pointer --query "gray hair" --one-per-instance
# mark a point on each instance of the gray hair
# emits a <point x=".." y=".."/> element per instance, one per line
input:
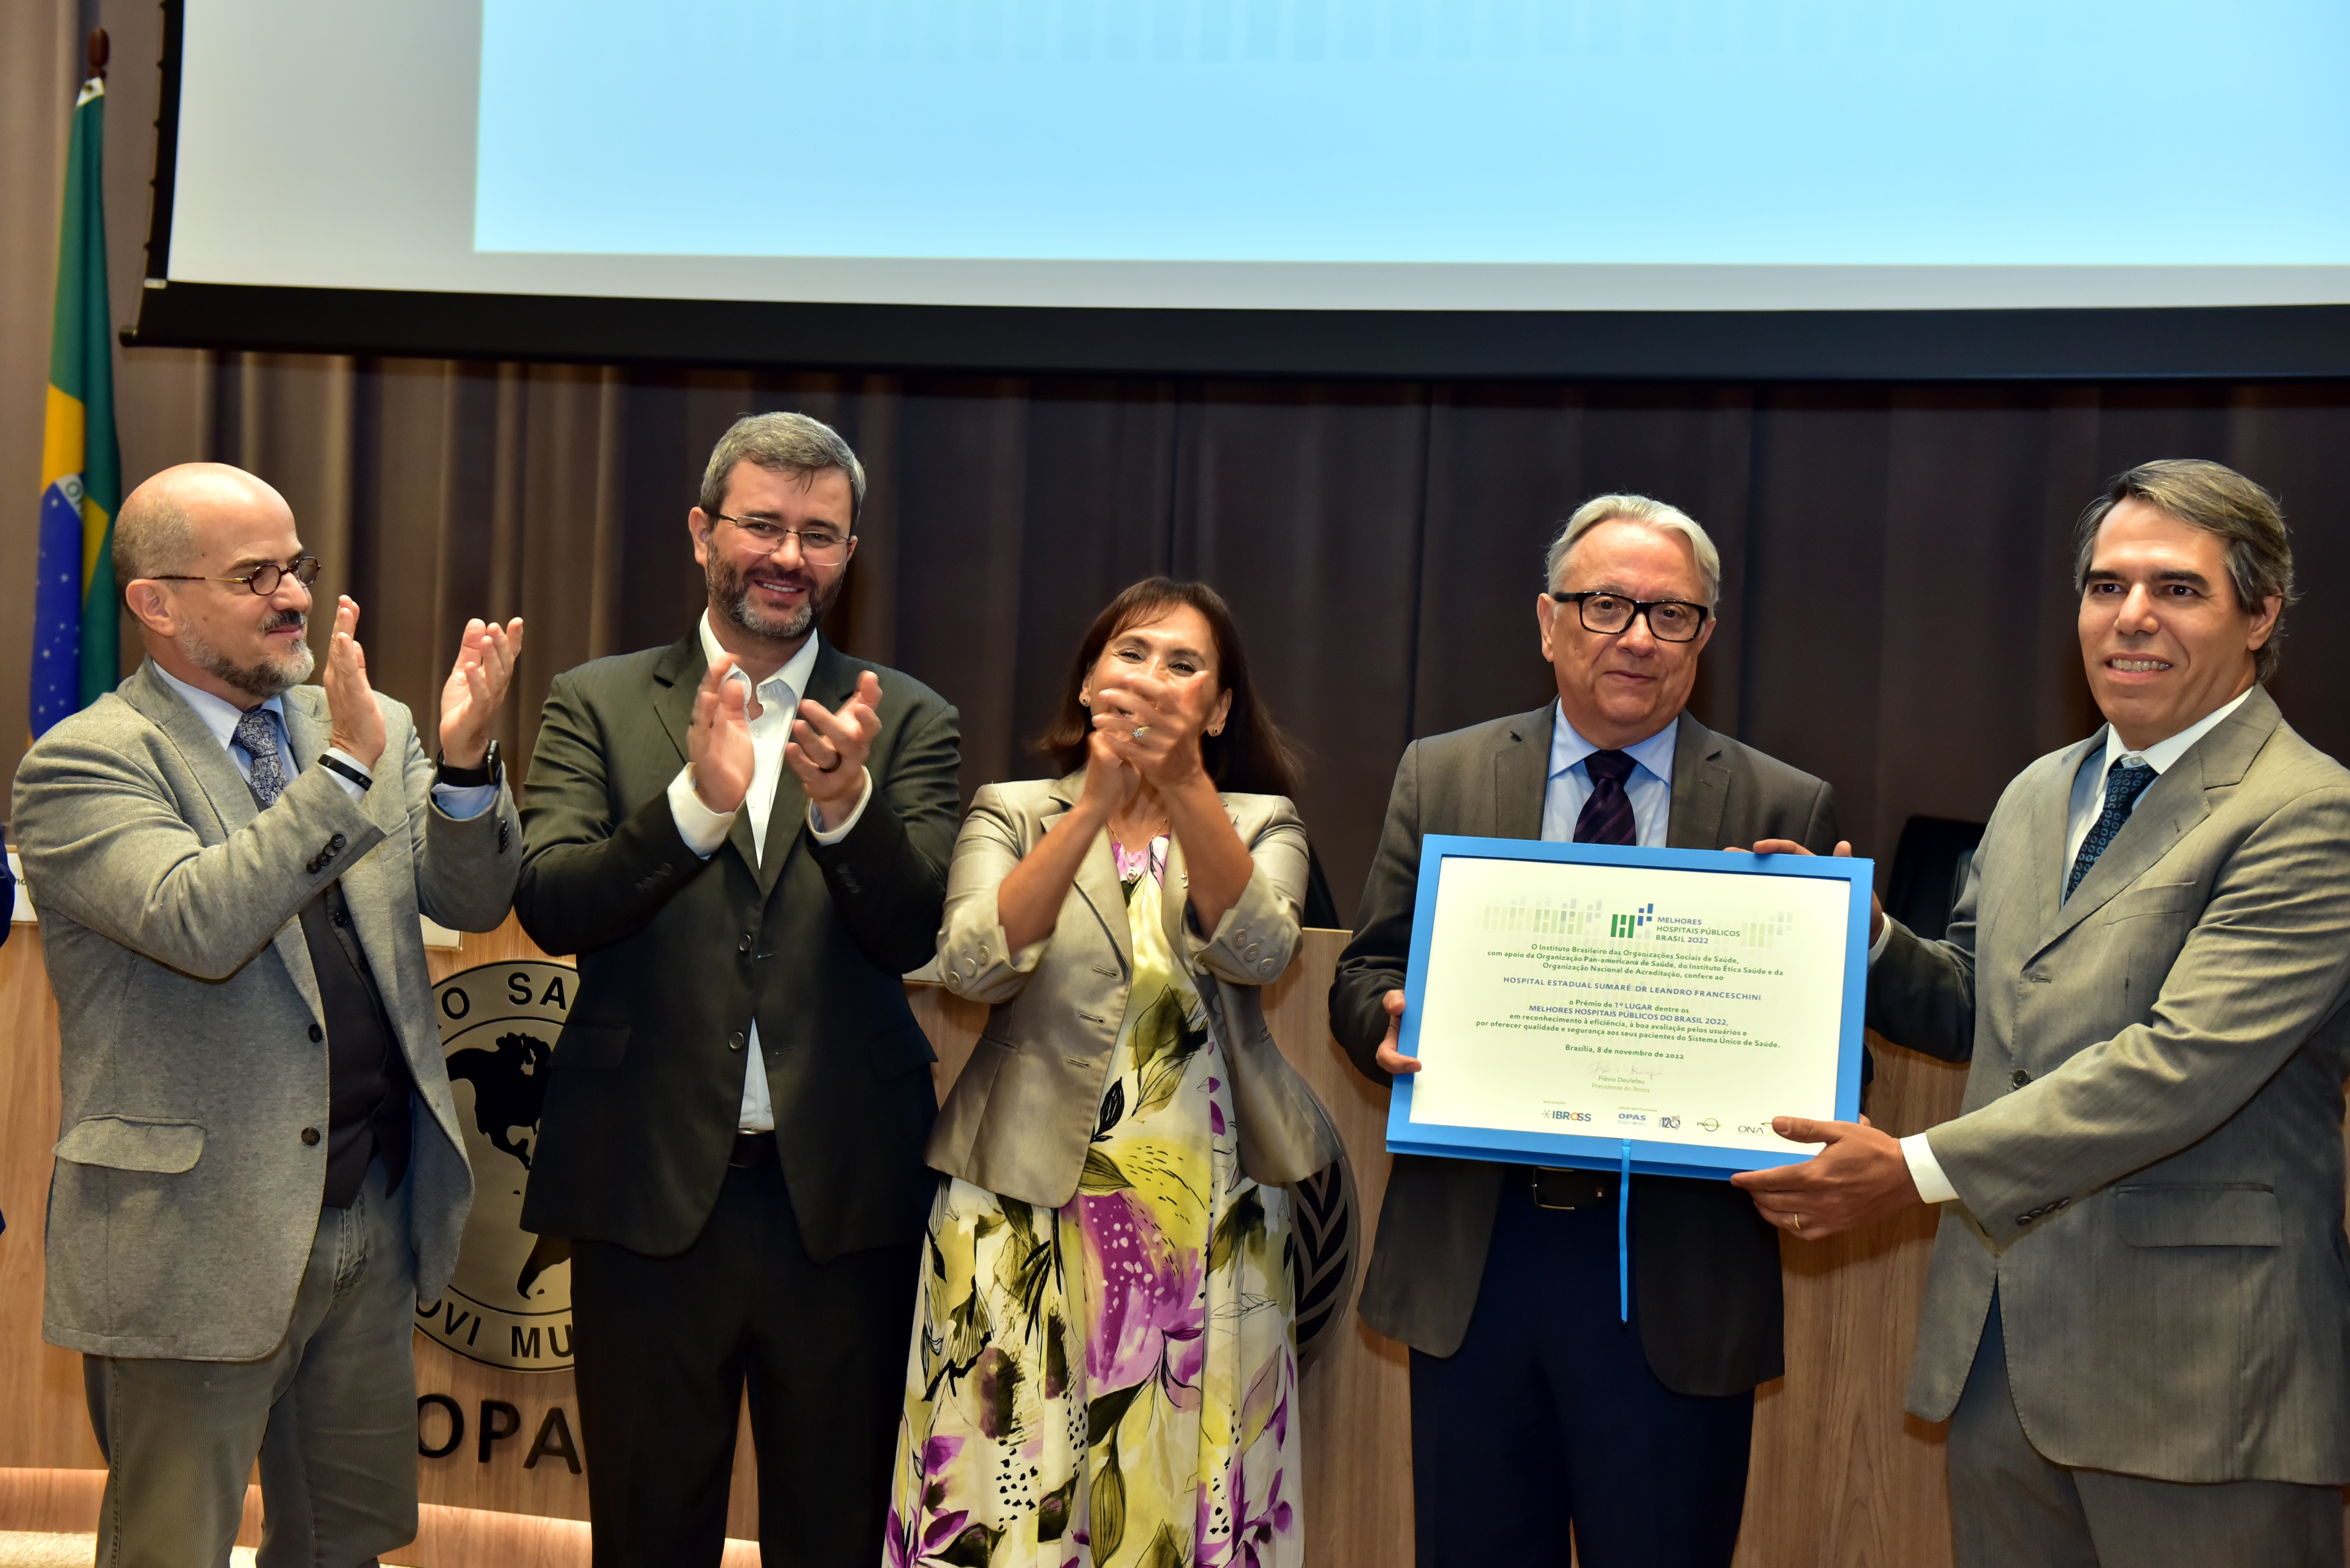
<point x="1648" y="513"/>
<point x="153" y="536"/>
<point x="2217" y="500"/>
<point x="782" y="443"/>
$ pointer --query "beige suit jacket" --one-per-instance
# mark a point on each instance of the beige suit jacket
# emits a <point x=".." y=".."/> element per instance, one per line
<point x="1020" y="1117"/>
<point x="2149" y="1161"/>
<point x="186" y="1193"/>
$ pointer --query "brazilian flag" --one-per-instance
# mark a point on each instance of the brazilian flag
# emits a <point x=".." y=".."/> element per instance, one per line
<point x="76" y="652"/>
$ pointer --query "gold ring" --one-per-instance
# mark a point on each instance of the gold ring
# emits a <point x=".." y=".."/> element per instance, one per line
<point x="1795" y="1223"/>
<point x="1140" y="731"/>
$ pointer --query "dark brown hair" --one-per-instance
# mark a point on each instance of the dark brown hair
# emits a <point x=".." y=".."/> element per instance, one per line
<point x="1250" y="757"/>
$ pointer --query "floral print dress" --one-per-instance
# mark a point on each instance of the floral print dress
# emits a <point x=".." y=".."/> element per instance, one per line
<point x="1112" y="1382"/>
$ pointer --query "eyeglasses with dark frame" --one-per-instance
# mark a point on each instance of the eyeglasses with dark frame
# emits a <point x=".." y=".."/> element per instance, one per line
<point x="1669" y="620"/>
<point x="824" y="546"/>
<point x="262" y="579"/>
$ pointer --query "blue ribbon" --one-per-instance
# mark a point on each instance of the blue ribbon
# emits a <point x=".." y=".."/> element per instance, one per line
<point x="1624" y="1237"/>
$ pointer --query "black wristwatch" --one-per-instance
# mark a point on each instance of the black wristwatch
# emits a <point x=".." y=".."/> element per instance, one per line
<point x="492" y="771"/>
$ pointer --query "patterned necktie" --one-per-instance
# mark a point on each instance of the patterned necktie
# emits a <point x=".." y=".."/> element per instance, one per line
<point x="259" y="736"/>
<point x="1606" y="817"/>
<point x="2126" y="782"/>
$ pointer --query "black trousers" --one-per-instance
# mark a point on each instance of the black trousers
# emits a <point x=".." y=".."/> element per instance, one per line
<point x="666" y="1347"/>
<point x="1548" y="1416"/>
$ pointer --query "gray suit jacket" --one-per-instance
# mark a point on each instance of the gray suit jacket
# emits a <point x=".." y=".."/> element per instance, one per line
<point x="2149" y="1159"/>
<point x="185" y="1197"/>
<point x="1019" y="1118"/>
<point x="1705" y="1286"/>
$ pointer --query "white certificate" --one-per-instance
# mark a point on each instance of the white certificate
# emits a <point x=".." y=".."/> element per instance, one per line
<point x="1599" y="1004"/>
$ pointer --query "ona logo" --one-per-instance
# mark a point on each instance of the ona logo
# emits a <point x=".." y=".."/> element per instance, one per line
<point x="509" y="1303"/>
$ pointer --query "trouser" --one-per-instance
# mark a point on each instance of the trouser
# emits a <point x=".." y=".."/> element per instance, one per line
<point x="1548" y="1414"/>
<point x="666" y="1347"/>
<point x="331" y="1413"/>
<point x="2011" y="1508"/>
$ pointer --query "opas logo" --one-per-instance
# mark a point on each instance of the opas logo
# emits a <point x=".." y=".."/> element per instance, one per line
<point x="509" y="1303"/>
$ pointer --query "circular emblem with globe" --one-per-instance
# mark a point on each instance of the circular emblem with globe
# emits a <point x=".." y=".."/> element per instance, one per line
<point x="509" y="1303"/>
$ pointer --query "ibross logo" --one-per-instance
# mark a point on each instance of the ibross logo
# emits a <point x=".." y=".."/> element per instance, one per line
<point x="509" y="1303"/>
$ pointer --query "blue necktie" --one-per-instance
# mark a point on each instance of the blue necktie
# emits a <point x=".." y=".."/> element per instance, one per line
<point x="2128" y="780"/>
<point x="1606" y="817"/>
<point x="259" y="736"/>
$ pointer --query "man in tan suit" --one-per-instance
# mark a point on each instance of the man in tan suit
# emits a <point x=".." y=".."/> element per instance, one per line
<point x="2135" y="1319"/>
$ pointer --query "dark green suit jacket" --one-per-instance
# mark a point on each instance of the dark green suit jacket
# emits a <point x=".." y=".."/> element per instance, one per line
<point x="1705" y="1267"/>
<point x="678" y="955"/>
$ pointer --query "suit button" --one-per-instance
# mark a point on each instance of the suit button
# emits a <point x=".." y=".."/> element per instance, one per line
<point x="734" y="1041"/>
<point x="2019" y="1078"/>
<point x="317" y="1034"/>
<point x="336" y="842"/>
<point x="310" y="1138"/>
<point x="745" y="945"/>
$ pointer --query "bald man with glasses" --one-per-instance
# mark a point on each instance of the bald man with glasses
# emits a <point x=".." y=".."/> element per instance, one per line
<point x="1537" y="1405"/>
<point x="260" y="1172"/>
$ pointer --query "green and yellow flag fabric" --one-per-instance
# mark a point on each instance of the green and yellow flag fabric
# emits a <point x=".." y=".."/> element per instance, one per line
<point x="77" y="652"/>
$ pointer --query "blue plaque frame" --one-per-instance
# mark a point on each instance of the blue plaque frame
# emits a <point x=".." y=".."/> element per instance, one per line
<point x="1649" y="1156"/>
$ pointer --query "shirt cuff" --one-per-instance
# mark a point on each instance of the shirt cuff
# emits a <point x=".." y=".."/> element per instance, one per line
<point x="703" y="829"/>
<point x="1926" y="1170"/>
<point x="1876" y="948"/>
<point x="462" y="802"/>
<point x="817" y="831"/>
<point x="351" y="786"/>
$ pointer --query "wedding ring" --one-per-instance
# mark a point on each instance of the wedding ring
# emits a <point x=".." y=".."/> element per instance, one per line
<point x="1795" y="1223"/>
<point x="1140" y="731"/>
<point x="836" y="765"/>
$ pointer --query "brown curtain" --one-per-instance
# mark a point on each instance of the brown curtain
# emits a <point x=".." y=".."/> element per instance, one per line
<point x="1897" y="616"/>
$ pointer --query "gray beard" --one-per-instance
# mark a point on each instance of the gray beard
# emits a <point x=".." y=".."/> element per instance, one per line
<point x="261" y="682"/>
<point x="731" y="591"/>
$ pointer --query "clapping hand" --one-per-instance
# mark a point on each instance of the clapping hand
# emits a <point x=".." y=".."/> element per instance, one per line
<point x="827" y="750"/>
<point x="355" y="722"/>
<point x="475" y="689"/>
<point x="718" y="744"/>
<point x="1146" y="728"/>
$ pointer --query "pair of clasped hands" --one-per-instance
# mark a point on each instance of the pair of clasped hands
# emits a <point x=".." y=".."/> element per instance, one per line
<point x="1860" y="1176"/>
<point x="470" y="698"/>
<point x="826" y="751"/>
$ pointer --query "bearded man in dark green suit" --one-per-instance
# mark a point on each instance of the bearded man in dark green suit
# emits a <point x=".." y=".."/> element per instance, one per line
<point x="744" y="837"/>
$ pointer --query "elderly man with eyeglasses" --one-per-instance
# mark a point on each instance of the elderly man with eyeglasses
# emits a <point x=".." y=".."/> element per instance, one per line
<point x="1536" y="1406"/>
<point x="260" y="1171"/>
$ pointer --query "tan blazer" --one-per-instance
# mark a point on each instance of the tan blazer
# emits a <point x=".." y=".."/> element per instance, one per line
<point x="1019" y="1118"/>
<point x="2149" y="1160"/>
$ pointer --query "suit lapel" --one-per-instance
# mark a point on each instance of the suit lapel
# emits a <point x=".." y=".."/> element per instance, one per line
<point x="1700" y="790"/>
<point x="225" y="791"/>
<point x="1097" y="881"/>
<point x="308" y="728"/>
<point x="2168" y="810"/>
<point x="1521" y="773"/>
<point x="2046" y="830"/>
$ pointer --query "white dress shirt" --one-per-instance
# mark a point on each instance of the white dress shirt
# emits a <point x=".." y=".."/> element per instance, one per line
<point x="221" y="715"/>
<point x="2088" y="804"/>
<point x="704" y="830"/>
<point x="1650" y="788"/>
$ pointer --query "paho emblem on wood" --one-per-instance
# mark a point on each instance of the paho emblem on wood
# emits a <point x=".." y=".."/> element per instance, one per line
<point x="509" y="1303"/>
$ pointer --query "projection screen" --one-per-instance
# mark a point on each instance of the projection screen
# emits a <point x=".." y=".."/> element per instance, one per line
<point x="1643" y="187"/>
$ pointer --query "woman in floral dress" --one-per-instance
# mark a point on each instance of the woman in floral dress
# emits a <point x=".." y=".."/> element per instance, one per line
<point x="1103" y="1371"/>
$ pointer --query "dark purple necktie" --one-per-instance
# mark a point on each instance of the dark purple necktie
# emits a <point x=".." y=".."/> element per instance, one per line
<point x="1608" y="815"/>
